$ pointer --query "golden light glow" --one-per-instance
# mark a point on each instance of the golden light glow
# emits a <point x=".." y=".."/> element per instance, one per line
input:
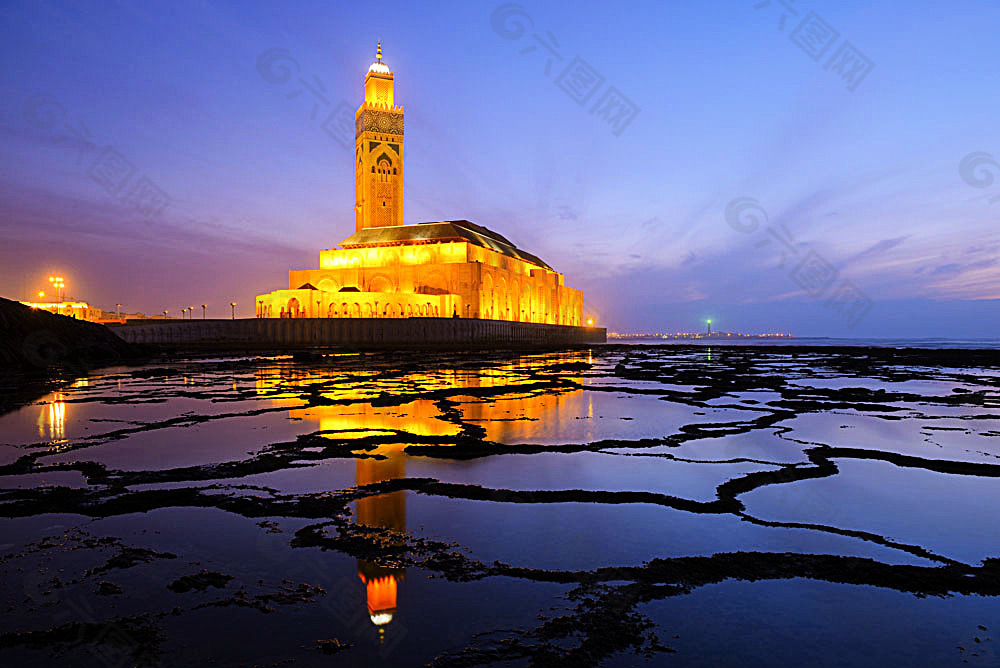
<point x="425" y="279"/>
<point x="284" y="385"/>
<point x="590" y="321"/>
<point x="414" y="276"/>
<point x="381" y="594"/>
<point x="378" y="82"/>
<point x="52" y="419"/>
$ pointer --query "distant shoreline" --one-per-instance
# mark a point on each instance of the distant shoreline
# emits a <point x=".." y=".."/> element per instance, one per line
<point x="926" y="343"/>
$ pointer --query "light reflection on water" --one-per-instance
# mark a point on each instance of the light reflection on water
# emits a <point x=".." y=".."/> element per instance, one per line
<point x="385" y="511"/>
<point x="206" y="416"/>
<point x="421" y="417"/>
<point x="52" y="419"/>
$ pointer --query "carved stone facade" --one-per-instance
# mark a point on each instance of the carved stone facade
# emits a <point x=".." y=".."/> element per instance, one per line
<point x="376" y="121"/>
<point x="378" y="149"/>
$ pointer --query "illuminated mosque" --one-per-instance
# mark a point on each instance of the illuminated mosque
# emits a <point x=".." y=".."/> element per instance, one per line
<point x="387" y="269"/>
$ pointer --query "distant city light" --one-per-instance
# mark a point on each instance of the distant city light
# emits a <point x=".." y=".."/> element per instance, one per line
<point x="698" y="335"/>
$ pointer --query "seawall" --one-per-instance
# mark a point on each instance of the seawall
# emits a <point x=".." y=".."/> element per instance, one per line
<point x="277" y="333"/>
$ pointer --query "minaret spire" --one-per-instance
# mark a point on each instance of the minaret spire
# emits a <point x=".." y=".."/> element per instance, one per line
<point x="378" y="169"/>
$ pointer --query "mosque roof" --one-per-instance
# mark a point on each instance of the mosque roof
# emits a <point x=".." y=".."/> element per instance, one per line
<point x="439" y="232"/>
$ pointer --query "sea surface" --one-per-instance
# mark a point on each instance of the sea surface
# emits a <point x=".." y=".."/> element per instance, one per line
<point x="930" y="343"/>
<point x="660" y="505"/>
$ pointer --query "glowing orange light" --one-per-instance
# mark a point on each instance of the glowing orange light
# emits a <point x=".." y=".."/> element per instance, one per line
<point x="381" y="594"/>
<point x="590" y="321"/>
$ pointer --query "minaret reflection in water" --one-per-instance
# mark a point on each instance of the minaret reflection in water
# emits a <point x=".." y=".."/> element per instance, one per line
<point x="385" y="511"/>
<point x="421" y="417"/>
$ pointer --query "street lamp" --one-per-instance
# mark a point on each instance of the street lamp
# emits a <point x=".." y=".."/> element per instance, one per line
<point x="59" y="285"/>
<point x="165" y="315"/>
<point x="233" y="306"/>
<point x="203" y="307"/>
<point x="118" y="310"/>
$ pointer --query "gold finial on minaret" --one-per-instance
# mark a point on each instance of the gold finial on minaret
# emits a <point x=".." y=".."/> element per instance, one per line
<point x="378" y="52"/>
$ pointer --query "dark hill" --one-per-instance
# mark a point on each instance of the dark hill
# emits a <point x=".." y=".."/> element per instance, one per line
<point x="38" y="343"/>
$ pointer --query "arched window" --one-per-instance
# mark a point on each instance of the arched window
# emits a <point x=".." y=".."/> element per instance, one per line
<point x="380" y="284"/>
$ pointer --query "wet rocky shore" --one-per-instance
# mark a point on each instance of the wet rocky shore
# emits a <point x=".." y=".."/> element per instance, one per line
<point x="606" y="505"/>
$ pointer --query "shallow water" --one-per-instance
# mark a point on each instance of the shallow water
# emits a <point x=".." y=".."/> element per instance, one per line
<point x="613" y="506"/>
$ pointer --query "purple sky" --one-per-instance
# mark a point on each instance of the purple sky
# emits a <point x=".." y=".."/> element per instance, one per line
<point x="862" y="189"/>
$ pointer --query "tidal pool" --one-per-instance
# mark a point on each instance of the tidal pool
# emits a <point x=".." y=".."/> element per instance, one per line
<point x="613" y="505"/>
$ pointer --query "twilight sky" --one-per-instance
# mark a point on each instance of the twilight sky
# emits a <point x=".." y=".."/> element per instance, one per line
<point x="848" y="211"/>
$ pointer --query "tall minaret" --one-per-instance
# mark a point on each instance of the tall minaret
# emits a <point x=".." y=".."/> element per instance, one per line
<point x="378" y="159"/>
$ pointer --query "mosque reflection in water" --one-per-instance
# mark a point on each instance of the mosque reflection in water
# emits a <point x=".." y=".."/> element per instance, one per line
<point x="507" y="417"/>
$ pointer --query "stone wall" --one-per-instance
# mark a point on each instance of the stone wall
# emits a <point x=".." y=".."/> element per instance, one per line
<point x="272" y="333"/>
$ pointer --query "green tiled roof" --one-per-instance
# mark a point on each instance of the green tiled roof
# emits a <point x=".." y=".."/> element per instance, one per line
<point x="440" y="232"/>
